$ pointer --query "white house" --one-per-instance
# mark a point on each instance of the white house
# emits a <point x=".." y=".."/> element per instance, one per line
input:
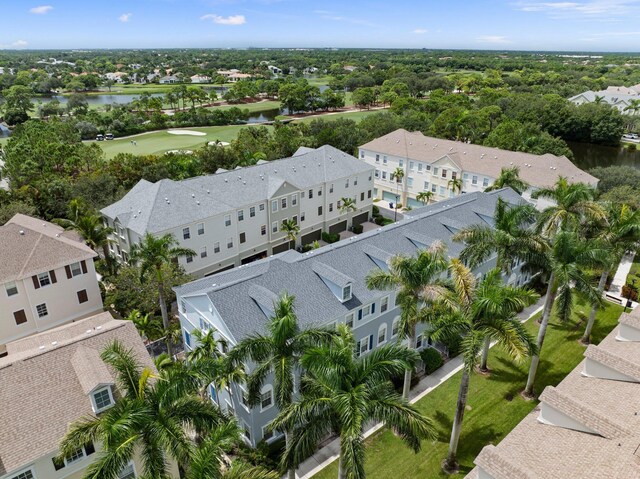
<point x="169" y="79"/>
<point x="47" y="277"/>
<point x="200" y="79"/>
<point x="611" y="96"/>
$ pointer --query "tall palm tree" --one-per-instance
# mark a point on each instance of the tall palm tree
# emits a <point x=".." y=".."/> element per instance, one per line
<point x="566" y="263"/>
<point x="476" y="311"/>
<point x="573" y="203"/>
<point x="509" y="177"/>
<point x="397" y="174"/>
<point x="291" y="228"/>
<point x="148" y="327"/>
<point x="341" y="394"/>
<point x="279" y="352"/>
<point x="425" y="197"/>
<point x="512" y="239"/>
<point x="417" y="281"/>
<point x="88" y="225"/>
<point x="634" y="106"/>
<point x="455" y="184"/>
<point x="347" y="205"/>
<point x="619" y="234"/>
<point x="151" y="255"/>
<point x="149" y="418"/>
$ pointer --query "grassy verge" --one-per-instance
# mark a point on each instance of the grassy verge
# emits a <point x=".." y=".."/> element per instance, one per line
<point x="634" y="273"/>
<point x="494" y="406"/>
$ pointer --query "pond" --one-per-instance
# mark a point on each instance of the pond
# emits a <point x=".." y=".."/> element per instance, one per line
<point x="587" y="156"/>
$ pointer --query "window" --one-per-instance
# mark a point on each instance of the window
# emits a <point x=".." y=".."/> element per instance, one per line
<point x="186" y="234"/>
<point x="409" y="181"/>
<point x="454" y="175"/>
<point x="485" y="182"/>
<point x="274" y="227"/>
<point x="346" y="183"/>
<point x="302" y="216"/>
<point x="331" y="188"/>
<point x="442" y="191"/>
<point x="261" y="207"/>
<point x="419" y="341"/>
<point x="395" y="327"/>
<point x="28" y="474"/>
<point x="319" y="210"/>
<point x="382" y="334"/>
<point x="189" y="259"/>
<point x="330" y="207"/>
<point x="42" y="311"/>
<point x="266" y="399"/>
<point x="102" y="399"/>
<point x="240" y="215"/>
<point x="377" y="174"/>
<point x="227" y="220"/>
<point x="267" y="433"/>
<point x="364" y="346"/>
<point x="203" y="252"/>
<point x="75" y="456"/>
<point x="384" y="304"/>
<point x="355" y="182"/>
<point x="44" y="279"/>
<point x="346" y="293"/>
<point x="252" y="212"/>
<point x="263" y="230"/>
<point x="294" y="218"/>
<point x="444" y="173"/>
<point x="20" y="317"/>
<point x="474" y="180"/>
<point x="75" y="269"/>
<point x="384" y="159"/>
<point x="349" y="320"/>
<point x="11" y="288"/>
<point x="426" y="185"/>
<point x="362" y="154"/>
<point x="302" y="194"/>
<point x="435" y="171"/>
<point x="187" y="337"/>
<point x="204" y="324"/>
<point x="364" y="312"/>
<point x="128" y="472"/>
<point x="319" y="192"/>
<point x="183" y="306"/>
<point x="310" y="194"/>
<point x="433" y="188"/>
<point x="362" y="196"/>
<point x="200" y="229"/>
<point x="283" y="203"/>
<point x="294" y="200"/>
<point x="401" y="163"/>
<point x="465" y="176"/>
<point x="243" y="238"/>
<point x="384" y="175"/>
<point x="216" y="247"/>
<point x="377" y="158"/>
<point x="83" y="297"/>
<point x="229" y="243"/>
<point x="246" y="431"/>
<point x="411" y="165"/>
<point x="369" y="194"/>
<point x="274" y="206"/>
<point x="428" y="167"/>
<point x="420" y="165"/>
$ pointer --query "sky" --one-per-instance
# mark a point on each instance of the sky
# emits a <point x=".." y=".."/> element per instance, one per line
<point x="586" y="25"/>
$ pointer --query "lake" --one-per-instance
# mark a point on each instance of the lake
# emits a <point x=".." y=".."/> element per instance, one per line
<point x="587" y="156"/>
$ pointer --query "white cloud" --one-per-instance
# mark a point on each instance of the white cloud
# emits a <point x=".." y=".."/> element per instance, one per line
<point x="220" y="20"/>
<point x="125" y="17"/>
<point x="41" y="10"/>
<point x="496" y="39"/>
<point x="602" y="9"/>
<point x="420" y="31"/>
<point x="18" y="44"/>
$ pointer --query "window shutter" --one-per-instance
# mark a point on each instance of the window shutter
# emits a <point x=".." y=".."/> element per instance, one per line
<point x="373" y="308"/>
<point x="83" y="264"/>
<point x="52" y="273"/>
<point x="371" y="342"/>
<point x="67" y="270"/>
<point x="20" y="317"/>
<point x="82" y="296"/>
<point x="36" y="283"/>
<point x="359" y="314"/>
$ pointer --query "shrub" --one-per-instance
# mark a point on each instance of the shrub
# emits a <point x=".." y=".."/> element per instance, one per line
<point x="453" y="345"/>
<point x="330" y="237"/>
<point x="375" y="211"/>
<point x="632" y="147"/>
<point x="630" y="292"/>
<point x="432" y="360"/>
<point x="357" y="229"/>
<point x="379" y="220"/>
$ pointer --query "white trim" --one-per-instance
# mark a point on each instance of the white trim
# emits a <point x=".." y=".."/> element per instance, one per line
<point x="268" y="388"/>
<point x="97" y="390"/>
<point x="24" y="471"/>
<point x="380" y="328"/>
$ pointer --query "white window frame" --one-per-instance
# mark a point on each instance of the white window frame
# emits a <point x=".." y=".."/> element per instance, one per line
<point x="266" y="390"/>
<point x="274" y="206"/>
<point x="75" y="272"/>
<point x="240" y="215"/>
<point x="252" y="212"/>
<point x="229" y="243"/>
<point x="203" y="252"/>
<point x="264" y="432"/>
<point x="46" y="310"/>
<point x="200" y="227"/>
<point x="263" y="230"/>
<point x="227" y="220"/>
<point x="126" y="468"/>
<point x="347" y="292"/>
<point x="216" y="247"/>
<point x="44" y="278"/>
<point x="294" y="200"/>
<point x="383" y="327"/>
<point x="362" y="351"/>
<point x="274" y="227"/>
<point x="384" y="304"/>
<point x="94" y="405"/>
<point x="11" y="286"/>
<point x="186" y="233"/>
<point x="261" y="206"/>
<point x="24" y="474"/>
<point x="395" y="326"/>
<point x="348" y="319"/>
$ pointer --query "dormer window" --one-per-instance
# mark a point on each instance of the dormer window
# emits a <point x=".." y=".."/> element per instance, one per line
<point x="102" y="399"/>
<point x="346" y="293"/>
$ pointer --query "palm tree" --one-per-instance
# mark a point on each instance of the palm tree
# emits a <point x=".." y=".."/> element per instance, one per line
<point x="619" y="234"/>
<point x="511" y="238"/>
<point x="455" y="184"/>
<point x="150" y="418"/>
<point x="417" y="281"/>
<point x="87" y="225"/>
<point x="475" y="312"/>
<point x="279" y="352"/>
<point x="291" y="228"/>
<point x="566" y="262"/>
<point x="341" y="394"/>
<point x="152" y="255"/>
<point x="347" y="205"/>
<point x="146" y="325"/>
<point x="572" y="204"/>
<point x="425" y="197"/>
<point x="398" y="174"/>
<point x="509" y="177"/>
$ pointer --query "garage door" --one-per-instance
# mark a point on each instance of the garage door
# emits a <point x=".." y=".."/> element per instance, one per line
<point x="283" y="247"/>
<point x="361" y="218"/>
<point x="338" y="227"/>
<point x="389" y="197"/>
<point x="311" y="237"/>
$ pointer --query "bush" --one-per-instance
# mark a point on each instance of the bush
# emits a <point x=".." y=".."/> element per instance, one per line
<point x="432" y="360"/>
<point x="453" y="346"/>
<point x="375" y="211"/>
<point x="632" y="147"/>
<point x="630" y="292"/>
<point x="330" y="237"/>
<point x="379" y="220"/>
<point x="357" y="229"/>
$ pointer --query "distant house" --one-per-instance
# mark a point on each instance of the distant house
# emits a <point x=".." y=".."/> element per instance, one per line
<point x="169" y="79"/>
<point x="619" y="101"/>
<point x="47" y="277"/>
<point x="200" y="79"/>
<point x="236" y="77"/>
<point x="275" y="70"/>
<point x="632" y="90"/>
<point x="117" y="77"/>
<point x="349" y="68"/>
<point x="310" y="70"/>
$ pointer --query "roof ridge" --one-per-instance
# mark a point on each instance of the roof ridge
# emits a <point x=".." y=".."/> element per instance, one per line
<point x="35" y="245"/>
<point x="614" y="361"/>
<point x="500" y="467"/>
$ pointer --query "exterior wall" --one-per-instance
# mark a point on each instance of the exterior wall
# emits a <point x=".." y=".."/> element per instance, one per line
<point x="60" y="298"/>
<point x="554" y="417"/>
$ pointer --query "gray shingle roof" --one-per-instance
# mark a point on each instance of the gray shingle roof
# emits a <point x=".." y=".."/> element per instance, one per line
<point x="156" y="207"/>
<point x="295" y="273"/>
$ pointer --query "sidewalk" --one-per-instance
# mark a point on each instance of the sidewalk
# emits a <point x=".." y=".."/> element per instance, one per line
<point x="620" y="278"/>
<point x="329" y="453"/>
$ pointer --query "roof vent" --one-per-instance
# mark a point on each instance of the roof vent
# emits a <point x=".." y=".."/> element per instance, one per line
<point x="41" y="347"/>
<point x="57" y="235"/>
<point x="244" y="182"/>
<point x="226" y="180"/>
<point x="44" y="224"/>
<point x="495" y="157"/>
<point x="53" y="343"/>
<point x="450" y="149"/>
<point x="98" y="327"/>
<point x="88" y="331"/>
<point x="275" y="171"/>
<point x="511" y="163"/>
<point x="208" y="191"/>
<point x="464" y="152"/>
<point x="193" y="195"/>
<point x="21" y="232"/>
<point x="168" y="202"/>
<point x="197" y="202"/>
<point x="165" y="198"/>
<point x="139" y="211"/>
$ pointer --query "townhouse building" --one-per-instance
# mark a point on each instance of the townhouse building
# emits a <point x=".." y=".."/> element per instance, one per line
<point x="329" y="288"/>
<point x="47" y="278"/>
<point x="235" y="217"/>
<point x="434" y="164"/>
<point x="52" y="379"/>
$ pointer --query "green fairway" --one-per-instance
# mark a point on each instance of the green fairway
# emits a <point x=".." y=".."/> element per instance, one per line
<point x="494" y="406"/>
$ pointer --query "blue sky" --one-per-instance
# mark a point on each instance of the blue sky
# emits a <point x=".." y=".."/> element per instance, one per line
<point x="585" y="25"/>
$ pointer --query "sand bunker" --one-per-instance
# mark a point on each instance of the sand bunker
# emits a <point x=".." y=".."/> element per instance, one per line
<point x="179" y="152"/>
<point x="186" y="132"/>
<point x="221" y="143"/>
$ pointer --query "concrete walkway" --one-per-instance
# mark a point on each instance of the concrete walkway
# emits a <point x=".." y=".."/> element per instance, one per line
<point x="331" y="451"/>
<point x="620" y="278"/>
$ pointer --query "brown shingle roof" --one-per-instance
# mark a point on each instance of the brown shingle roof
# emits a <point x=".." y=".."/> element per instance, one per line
<point x="29" y="246"/>
<point x="41" y="393"/>
<point x="540" y="171"/>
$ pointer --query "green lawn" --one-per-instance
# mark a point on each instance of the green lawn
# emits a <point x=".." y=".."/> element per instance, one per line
<point x="494" y="406"/>
<point x="634" y="273"/>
